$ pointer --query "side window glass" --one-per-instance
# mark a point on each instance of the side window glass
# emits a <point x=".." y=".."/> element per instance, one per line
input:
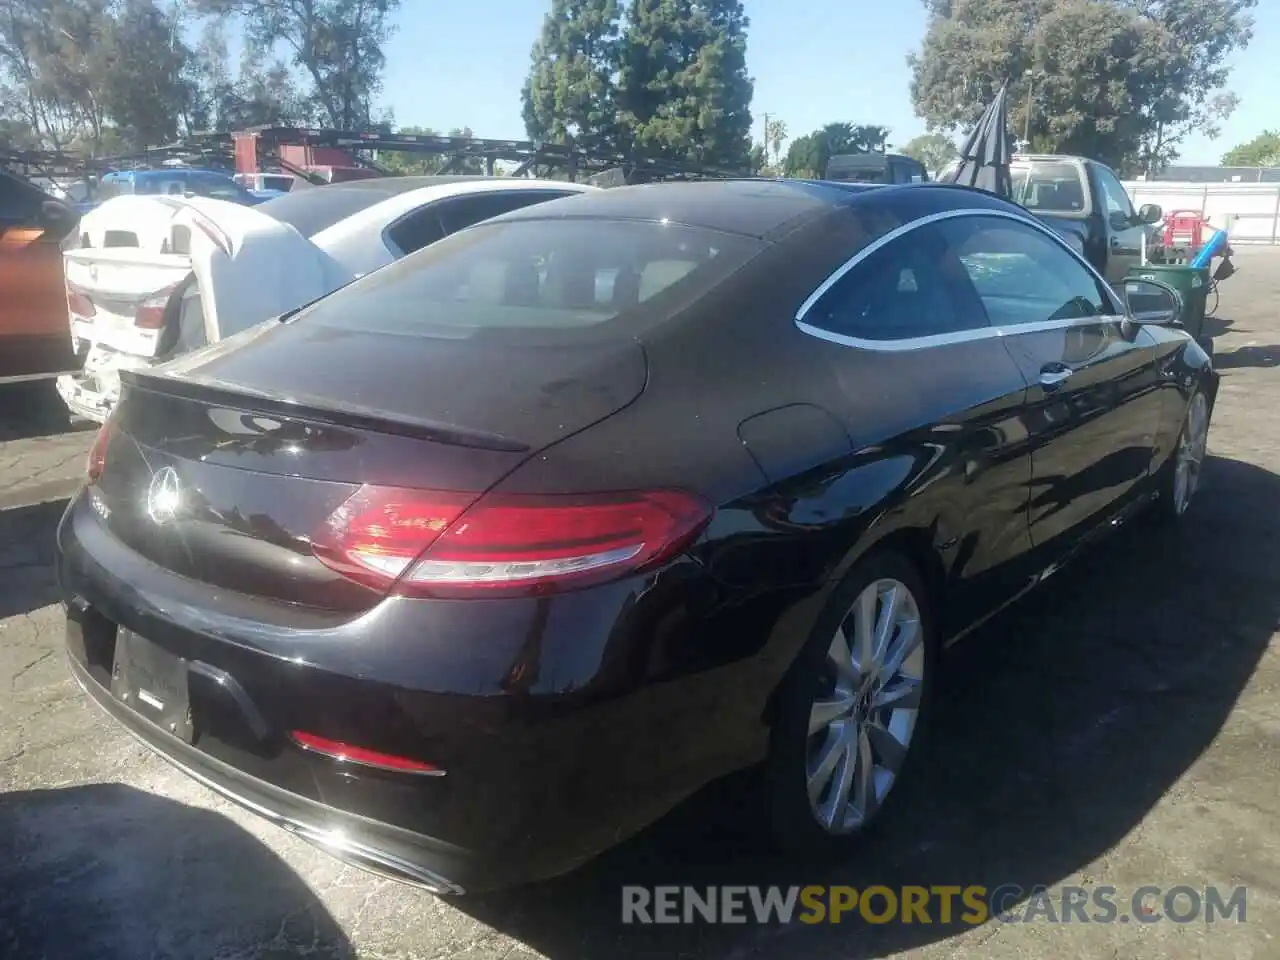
<point x="914" y="286"/>
<point x="1023" y="276"/>
<point x="1114" y="193"/>
<point x="467" y="211"/>
<point x="417" y="230"/>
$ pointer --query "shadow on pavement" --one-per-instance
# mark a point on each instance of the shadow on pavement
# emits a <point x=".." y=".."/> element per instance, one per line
<point x="34" y="410"/>
<point x="26" y="557"/>
<point x="1264" y="357"/>
<point x="1060" y="725"/>
<point x="106" y="871"/>
<point x="1216" y="326"/>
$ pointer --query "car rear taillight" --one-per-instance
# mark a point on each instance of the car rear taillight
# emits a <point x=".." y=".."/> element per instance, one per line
<point x="150" y="312"/>
<point x="97" y="462"/>
<point x="426" y="543"/>
<point x="79" y="304"/>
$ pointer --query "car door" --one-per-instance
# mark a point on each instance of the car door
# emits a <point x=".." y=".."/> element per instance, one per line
<point x="922" y="374"/>
<point x="35" y="330"/>
<point x="1093" y="406"/>
<point x="1120" y="221"/>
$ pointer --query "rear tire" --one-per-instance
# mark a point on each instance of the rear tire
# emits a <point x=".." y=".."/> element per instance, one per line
<point x="1180" y="477"/>
<point x="853" y="712"/>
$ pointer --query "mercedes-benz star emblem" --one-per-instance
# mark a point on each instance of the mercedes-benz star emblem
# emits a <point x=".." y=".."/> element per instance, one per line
<point x="164" y="496"/>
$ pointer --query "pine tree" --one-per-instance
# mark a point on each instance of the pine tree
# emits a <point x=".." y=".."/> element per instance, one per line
<point x="683" y="88"/>
<point x="570" y="89"/>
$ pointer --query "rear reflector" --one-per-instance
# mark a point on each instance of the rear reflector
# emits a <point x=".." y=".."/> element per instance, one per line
<point x="150" y="312"/>
<point x="439" y="544"/>
<point x="346" y="753"/>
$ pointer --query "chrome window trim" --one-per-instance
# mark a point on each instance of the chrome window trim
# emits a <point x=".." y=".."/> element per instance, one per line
<point x="960" y="336"/>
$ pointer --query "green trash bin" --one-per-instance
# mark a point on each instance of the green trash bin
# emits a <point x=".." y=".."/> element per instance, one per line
<point x="1191" y="282"/>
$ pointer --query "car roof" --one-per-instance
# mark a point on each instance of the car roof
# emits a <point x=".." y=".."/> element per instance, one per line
<point x="313" y="211"/>
<point x="761" y="208"/>
<point x="749" y="207"/>
<point x="1050" y="158"/>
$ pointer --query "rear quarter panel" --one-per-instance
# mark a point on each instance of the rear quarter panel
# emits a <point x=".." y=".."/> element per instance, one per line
<point x="814" y="457"/>
<point x="1182" y="367"/>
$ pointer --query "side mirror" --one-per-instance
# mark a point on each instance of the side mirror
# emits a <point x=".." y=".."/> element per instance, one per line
<point x="1152" y="303"/>
<point x="1150" y="213"/>
<point x="1119" y="221"/>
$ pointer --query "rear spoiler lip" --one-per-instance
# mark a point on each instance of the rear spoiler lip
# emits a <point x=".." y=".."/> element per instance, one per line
<point x="317" y="410"/>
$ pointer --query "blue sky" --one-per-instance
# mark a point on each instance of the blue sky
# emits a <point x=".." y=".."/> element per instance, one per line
<point x="454" y="65"/>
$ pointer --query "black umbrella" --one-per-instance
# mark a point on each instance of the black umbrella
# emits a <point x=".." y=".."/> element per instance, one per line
<point x="984" y="161"/>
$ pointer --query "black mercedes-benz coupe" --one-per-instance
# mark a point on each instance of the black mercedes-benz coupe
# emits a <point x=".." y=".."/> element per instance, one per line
<point x="482" y="563"/>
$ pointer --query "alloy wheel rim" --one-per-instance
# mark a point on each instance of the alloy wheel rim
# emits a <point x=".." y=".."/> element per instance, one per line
<point x="862" y="723"/>
<point x="1191" y="451"/>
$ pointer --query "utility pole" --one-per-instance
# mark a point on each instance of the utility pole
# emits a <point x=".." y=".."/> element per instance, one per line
<point x="766" y="138"/>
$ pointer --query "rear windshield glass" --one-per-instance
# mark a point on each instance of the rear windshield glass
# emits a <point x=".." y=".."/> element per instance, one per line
<point x="1049" y="187"/>
<point x="310" y="211"/>
<point x="551" y="275"/>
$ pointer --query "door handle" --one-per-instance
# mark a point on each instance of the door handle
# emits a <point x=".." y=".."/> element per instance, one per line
<point x="1115" y="243"/>
<point x="1053" y="377"/>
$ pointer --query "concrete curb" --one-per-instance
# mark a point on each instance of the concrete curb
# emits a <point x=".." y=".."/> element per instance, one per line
<point x="37" y="494"/>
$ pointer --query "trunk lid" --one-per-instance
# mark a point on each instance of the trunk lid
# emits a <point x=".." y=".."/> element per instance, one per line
<point x="136" y="251"/>
<point x="107" y="287"/>
<point x="225" y="465"/>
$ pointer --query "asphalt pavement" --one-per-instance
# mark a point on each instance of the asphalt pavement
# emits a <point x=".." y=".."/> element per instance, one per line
<point x="1120" y="727"/>
<point x="42" y="454"/>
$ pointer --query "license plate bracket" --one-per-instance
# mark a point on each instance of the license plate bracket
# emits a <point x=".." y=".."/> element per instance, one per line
<point x="153" y="683"/>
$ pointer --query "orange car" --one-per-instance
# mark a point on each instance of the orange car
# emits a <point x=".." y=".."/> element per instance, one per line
<point x="35" y="332"/>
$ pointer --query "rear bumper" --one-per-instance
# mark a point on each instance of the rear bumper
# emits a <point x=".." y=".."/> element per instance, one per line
<point x="93" y="391"/>
<point x="83" y="400"/>
<point x="554" y="746"/>
<point x="373" y="846"/>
